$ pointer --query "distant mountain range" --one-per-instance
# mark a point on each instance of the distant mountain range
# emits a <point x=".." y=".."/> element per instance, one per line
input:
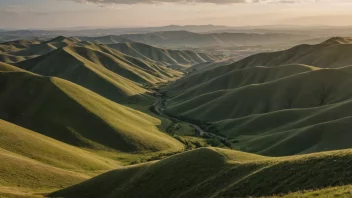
<point x="318" y="31"/>
<point x="191" y="39"/>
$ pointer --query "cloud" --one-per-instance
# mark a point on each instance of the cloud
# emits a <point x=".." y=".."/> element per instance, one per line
<point x="131" y="2"/>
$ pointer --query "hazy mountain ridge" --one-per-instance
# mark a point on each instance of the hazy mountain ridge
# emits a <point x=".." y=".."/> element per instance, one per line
<point x="159" y="55"/>
<point x="189" y="39"/>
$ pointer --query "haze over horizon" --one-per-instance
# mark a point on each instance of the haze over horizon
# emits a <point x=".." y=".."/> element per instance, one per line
<point x="51" y="14"/>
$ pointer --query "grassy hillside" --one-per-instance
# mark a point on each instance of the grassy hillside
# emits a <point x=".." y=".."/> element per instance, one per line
<point x="210" y="172"/>
<point x="309" y="89"/>
<point x="4" y="67"/>
<point x="77" y="116"/>
<point x="200" y="84"/>
<point x="32" y="162"/>
<point x="103" y="70"/>
<point x="20" y="50"/>
<point x="330" y="54"/>
<point x="24" y="176"/>
<point x="270" y="103"/>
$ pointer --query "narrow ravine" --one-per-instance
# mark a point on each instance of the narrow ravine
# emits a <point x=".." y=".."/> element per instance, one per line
<point x="159" y="108"/>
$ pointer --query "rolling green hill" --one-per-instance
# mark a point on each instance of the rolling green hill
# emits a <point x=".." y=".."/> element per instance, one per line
<point x="4" y="67"/>
<point x="103" y="70"/>
<point x="201" y="84"/>
<point x="310" y="89"/>
<point x="77" y="116"/>
<point x="211" y="172"/>
<point x="333" y="53"/>
<point x="66" y="115"/>
<point x="16" y="51"/>
<point x="270" y="103"/>
<point x="21" y="50"/>
<point x="31" y="162"/>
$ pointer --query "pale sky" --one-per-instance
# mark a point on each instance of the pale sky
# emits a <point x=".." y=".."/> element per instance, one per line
<point x="23" y="14"/>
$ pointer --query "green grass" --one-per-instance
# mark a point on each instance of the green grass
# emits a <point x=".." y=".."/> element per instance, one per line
<point x="270" y="102"/>
<point x="31" y="162"/>
<point x="102" y="69"/>
<point x="49" y="151"/>
<point x="79" y="117"/>
<point x="303" y="90"/>
<point x="4" y="67"/>
<point x="341" y="191"/>
<point x="228" y="78"/>
<point x="214" y="172"/>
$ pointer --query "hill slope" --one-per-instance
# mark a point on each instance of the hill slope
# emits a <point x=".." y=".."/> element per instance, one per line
<point x="268" y="103"/>
<point x="210" y="172"/>
<point x="33" y="162"/>
<point x="103" y="70"/>
<point x="4" y="67"/>
<point x="329" y="54"/>
<point x="77" y="116"/>
<point x="20" y="50"/>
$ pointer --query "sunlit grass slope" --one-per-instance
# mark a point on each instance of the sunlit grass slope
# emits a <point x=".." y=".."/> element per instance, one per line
<point x="339" y="191"/>
<point x="74" y="115"/>
<point x="305" y="90"/>
<point x="103" y="70"/>
<point x="210" y="172"/>
<point x="278" y="133"/>
<point x="302" y="113"/>
<point x="333" y="53"/>
<point x="19" y="173"/>
<point x="4" y="67"/>
<point x="32" y="162"/>
<point x="49" y="151"/>
<point x="16" y="51"/>
<point x="274" y="104"/>
<point x="198" y="84"/>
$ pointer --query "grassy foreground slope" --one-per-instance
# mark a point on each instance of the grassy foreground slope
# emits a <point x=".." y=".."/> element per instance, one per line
<point x="49" y="151"/>
<point x="74" y="115"/>
<point x="210" y="172"/>
<point x="32" y="162"/>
